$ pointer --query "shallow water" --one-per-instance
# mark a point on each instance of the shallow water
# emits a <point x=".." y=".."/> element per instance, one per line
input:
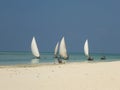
<point x="13" y="58"/>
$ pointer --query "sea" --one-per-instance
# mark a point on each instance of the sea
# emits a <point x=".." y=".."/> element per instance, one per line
<point x="18" y="58"/>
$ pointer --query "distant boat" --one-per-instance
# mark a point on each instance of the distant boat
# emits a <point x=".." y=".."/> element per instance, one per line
<point x="63" y="50"/>
<point x="103" y="58"/>
<point x="86" y="50"/>
<point x="34" y="48"/>
<point x="56" y="50"/>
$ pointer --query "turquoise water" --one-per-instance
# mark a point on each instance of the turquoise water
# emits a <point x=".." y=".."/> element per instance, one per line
<point x="13" y="58"/>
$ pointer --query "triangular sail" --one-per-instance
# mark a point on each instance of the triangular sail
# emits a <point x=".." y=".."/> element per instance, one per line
<point x="63" y="50"/>
<point x="34" y="48"/>
<point x="56" y="50"/>
<point x="86" y="48"/>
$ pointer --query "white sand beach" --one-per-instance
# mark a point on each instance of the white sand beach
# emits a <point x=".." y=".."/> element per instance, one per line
<point x="69" y="76"/>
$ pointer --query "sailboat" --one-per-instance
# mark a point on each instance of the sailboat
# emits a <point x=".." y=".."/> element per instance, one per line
<point x="56" y="50"/>
<point x="86" y="50"/>
<point x="63" y="50"/>
<point x="103" y="58"/>
<point x="34" y="48"/>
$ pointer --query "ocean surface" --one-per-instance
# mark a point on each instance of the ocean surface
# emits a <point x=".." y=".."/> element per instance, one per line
<point x="16" y="58"/>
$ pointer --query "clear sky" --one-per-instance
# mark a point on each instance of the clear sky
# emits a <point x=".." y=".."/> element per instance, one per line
<point x="49" y="20"/>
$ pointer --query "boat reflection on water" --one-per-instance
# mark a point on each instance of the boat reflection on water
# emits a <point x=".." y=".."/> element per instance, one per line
<point x="35" y="61"/>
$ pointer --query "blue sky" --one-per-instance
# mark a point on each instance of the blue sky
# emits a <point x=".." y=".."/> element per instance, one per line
<point x="49" y="20"/>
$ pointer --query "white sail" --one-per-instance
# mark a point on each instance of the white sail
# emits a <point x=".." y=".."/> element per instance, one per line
<point x="63" y="50"/>
<point x="34" y="48"/>
<point x="86" y="48"/>
<point x="56" y="49"/>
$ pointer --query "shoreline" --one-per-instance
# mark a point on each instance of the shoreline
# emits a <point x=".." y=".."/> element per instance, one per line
<point x="53" y="64"/>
